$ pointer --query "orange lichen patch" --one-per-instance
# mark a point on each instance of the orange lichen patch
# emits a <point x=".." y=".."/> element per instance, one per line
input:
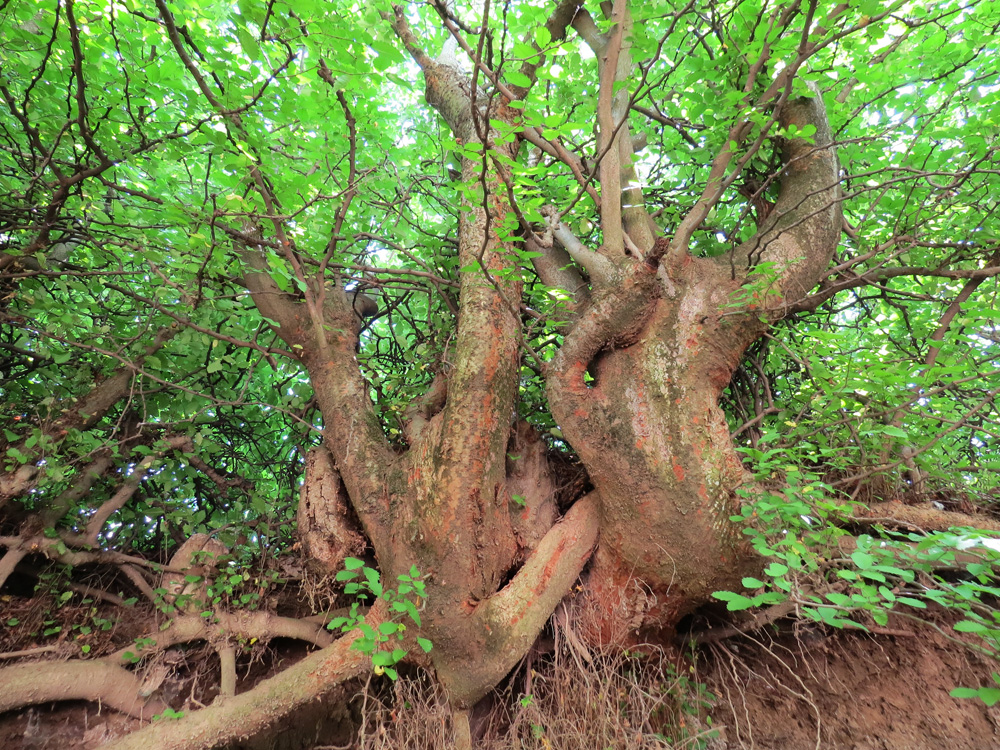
<point x="678" y="471"/>
<point x="639" y="442"/>
<point x="698" y="448"/>
<point x="703" y="492"/>
<point x="582" y="413"/>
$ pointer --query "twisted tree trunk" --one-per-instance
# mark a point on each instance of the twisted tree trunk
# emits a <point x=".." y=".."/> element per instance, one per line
<point x="661" y="349"/>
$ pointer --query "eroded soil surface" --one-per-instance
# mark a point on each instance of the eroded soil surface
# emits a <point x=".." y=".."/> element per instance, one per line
<point x="843" y="691"/>
<point x="851" y="691"/>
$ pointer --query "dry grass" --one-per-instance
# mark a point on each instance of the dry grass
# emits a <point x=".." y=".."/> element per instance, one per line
<point x="622" y="701"/>
<point x="414" y="715"/>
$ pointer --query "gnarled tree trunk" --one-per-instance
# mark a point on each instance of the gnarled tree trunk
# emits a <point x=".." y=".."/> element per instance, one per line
<point x="661" y="349"/>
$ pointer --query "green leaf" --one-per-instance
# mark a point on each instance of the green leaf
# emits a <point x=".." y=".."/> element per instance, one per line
<point x="970" y="626"/>
<point x="516" y="78"/>
<point x="734" y="602"/>
<point x="862" y="559"/>
<point x="962" y="692"/>
<point x="988" y="695"/>
<point x="249" y="44"/>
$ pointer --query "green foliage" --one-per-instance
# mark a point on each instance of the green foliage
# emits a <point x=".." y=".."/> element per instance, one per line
<point x="859" y="582"/>
<point x="989" y="695"/>
<point x="168" y="714"/>
<point x="153" y="234"/>
<point x="127" y="195"/>
<point x="406" y="600"/>
<point x="141" y="643"/>
<point x="238" y="589"/>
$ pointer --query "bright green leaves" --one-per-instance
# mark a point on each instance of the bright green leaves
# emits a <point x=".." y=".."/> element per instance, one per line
<point x="387" y="55"/>
<point x="516" y="78"/>
<point x="320" y="103"/>
<point x="364" y="582"/>
<point x="988" y="695"/>
<point x="860" y="582"/>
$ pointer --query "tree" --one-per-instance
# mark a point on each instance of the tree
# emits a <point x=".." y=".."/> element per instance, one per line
<point x="555" y="307"/>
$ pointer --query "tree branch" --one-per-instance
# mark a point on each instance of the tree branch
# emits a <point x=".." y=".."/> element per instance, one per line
<point x="803" y="230"/>
<point x="831" y="289"/>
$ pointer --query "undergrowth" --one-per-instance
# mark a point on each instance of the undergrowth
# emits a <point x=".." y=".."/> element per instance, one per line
<point x="623" y="701"/>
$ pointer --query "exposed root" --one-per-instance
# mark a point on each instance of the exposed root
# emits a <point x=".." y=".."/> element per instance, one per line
<point x="620" y="701"/>
<point x="97" y="680"/>
<point x="260" y="709"/>
<point x="107" y="680"/>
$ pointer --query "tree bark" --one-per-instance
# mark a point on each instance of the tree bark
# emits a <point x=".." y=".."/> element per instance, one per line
<point x="661" y="349"/>
<point x="99" y="680"/>
<point x="252" y="713"/>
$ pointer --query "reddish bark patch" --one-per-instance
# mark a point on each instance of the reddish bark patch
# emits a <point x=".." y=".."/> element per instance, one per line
<point x="720" y="377"/>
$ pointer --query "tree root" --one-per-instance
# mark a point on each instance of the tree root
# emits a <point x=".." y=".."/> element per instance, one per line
<point x="514" y="616"/>
<point x="106" y="680"/>
<point x="922" y="518"/>
<point x="97" y="680"/>
<point x="254" y="712"/>
<point x="759" y="620"/>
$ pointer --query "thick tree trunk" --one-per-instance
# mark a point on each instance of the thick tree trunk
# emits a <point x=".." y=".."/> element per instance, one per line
<point x="649" y="428"/>
<point x="443" y="505"/>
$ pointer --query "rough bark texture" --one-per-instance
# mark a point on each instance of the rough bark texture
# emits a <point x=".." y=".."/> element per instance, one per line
<point x="653" y="339"/>
<point x="324" y="529"/>
<point x="532" y="486"/>
<point x="649" y="427"/>
<point x="443" y="505"/>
